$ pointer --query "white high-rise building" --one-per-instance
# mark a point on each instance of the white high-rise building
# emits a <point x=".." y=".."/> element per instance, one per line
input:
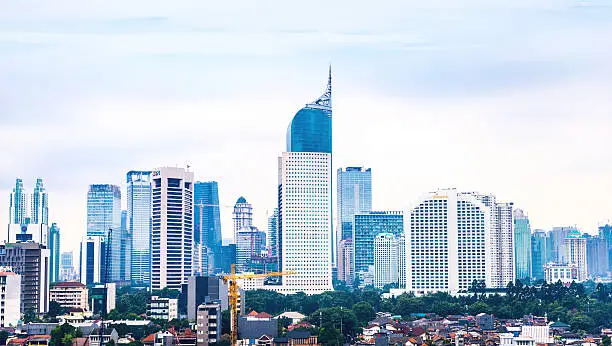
<point x="576" y="253"/>
<point x="93" y="255"/>
<point x="139" y="226"/>
<point x="172" y="227"/>
<point x="345" y="261"/>
<point x="386" y="264"/>
<point x="447" y="237"/>
<point x="243" y="215"/>
<point x="10" y="299"/>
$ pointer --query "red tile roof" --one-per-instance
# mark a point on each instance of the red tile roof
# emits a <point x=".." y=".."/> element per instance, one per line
<point x="68" y="284"/>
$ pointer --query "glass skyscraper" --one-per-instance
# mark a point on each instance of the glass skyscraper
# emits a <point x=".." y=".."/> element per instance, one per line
<point x="597" y="255"/>
<point x="54" y="253"/>
<point x="18" y="204"/>
<point x="522" y="246"/>
<point x="40" y="204"/>
<point x="104" y="216"/>
<point x="605" y="232"/>
<point x="354" y="197"/>
<point x="539" y="243"/>
<point x="367" y="227"/>
<point x="207" y="219"/>
<point x="138" y="225"/>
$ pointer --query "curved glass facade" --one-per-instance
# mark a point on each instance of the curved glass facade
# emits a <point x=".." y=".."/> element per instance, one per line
<point x="310" y="131"/>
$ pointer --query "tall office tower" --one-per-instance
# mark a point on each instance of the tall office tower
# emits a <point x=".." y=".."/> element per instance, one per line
<point x="401" y="261"/>
<point x="250" y="242"/>
<point x="305" y="197"/>
<point x="538" y="254"/>
<point x="243" y="215"/>
<point x="54" y="253"/>
<point x="125" y="271"/>
<point x="522" y="246"/>
<point x="18" y="204"/>
<point x="501" y="242"/>
<point x="386" y="252"/>
<point x="10" y="299"/>
<point x="367" y="227"/>
<point x="40" y="204"/>
<point x="447" y="237"/>
<point x="207" y="221"/>
<point x="575" y="247"/>
<point x="597" y="255"/>
<point x="605" y="232"/>
<point x="354" y="190"/>
<point x="345" y="261"/>
<point x="227" y="258"/>
<point x="550" y="256"/>
<point x="558" y="250"/>
<point x="31" y="261"/>
<point x="92" y="268"/>
<point x="172" y="235"/>
<point x="104" y="220"/>
<point x="273" y="233"/>
<point x="138" y="223"/>
<point x="66" y="266"/>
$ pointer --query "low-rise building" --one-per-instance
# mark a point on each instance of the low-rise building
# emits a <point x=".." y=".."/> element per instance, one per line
<point x="10" y="297"/>
<point x="103" y="298"/>
<point x="70" y="295"/>
<point x="208" y="325"/>
<point x="566" y="273"/>
<point x="159" y="308"/>
<point x="256" y="324"/>
<point x="103" y="337"/>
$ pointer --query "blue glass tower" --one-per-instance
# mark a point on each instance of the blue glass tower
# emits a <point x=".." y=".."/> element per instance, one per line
<point x="207" y="217"/>
<point x="522" y="246"/>
<point x="367" y="227"/>
<point x="354" y="197"/>
<point x="54" y="256"/>
<point x="539" y="244"/>
<point x="138" y="226"/>
<point x="104" y="219"/>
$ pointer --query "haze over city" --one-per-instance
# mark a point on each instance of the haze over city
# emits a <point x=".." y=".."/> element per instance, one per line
<point x="510" y="98"/>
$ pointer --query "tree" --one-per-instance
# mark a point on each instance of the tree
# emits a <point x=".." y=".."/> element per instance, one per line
<point x="30" y="316"/>
<point x="110" y="342"/>
<point x="114" y="315"/>
<point x="135" y="343"/>
<point x="55" y="309"/>
<point x="4" y="335"/>
<point x="605" y="340"/>
<point x="364" y="312"/>
<point x="62" y="335"/>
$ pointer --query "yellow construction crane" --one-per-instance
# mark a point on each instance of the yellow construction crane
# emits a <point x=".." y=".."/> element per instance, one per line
<point x="234" y="295"/>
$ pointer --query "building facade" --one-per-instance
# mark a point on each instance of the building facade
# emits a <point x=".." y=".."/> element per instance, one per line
<point x="522" y="246"/>
<point x="305" y="197"/>
<point x="172" y="227"/>
<point x="207" y="221"/>
<point x="605" y="232"/>
<point x="67" y="266"/>
<point x="104" y="220"/>
<point x="345" y="261"/>
<point x="575" y="247"/>
<point x="250" y="242"/>
<point x="18" y="204"/>
<point x="93" y="260"/>
<point x="367" y="227"/>
<point x="354" y="196"/>
<point x="31" y="261"/>
<point x="538" y="254"/>
<point x="447" y="237"/>
<point x="54" y="252"/>
<point x="199" y="290"/>
<point x="70" y="295"/>
<point x="37" y="233"/>
<point x="273" y="233"/>
<point x="138" y="224"/>
<point x="39" y="208"/>
<point x="597" y="256"/>
<point x="159" y="308"/>
<point x="10" y="299"/>
<point x="557" y="251"/>
<point x="208" y="323"/>
<point x="242" y="215"/>
<point x="566" y="273"/>
<point x="386" y="264"/>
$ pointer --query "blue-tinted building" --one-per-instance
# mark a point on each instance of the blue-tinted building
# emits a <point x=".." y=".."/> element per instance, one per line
<point x="54" y="253"/>
<point x="366" y="227"/>
<point x="104" y="219"/>
<point x="40" y="204"/>
<point x="597" y="256"/>
<point x="273" y="233"/>
<point x="522" y="246"/>
<point x="207" y="217"/>
<point x="539" y="243"/>
<point x="138" y="226"/>
<point x="605" y="232"/>
<point x="354" y="197"/>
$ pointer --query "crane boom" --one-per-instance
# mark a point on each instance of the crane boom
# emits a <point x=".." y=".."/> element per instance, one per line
<point x="234" y="295"/>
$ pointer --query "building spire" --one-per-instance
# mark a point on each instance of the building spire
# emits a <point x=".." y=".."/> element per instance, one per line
<point x="324" y="101"/>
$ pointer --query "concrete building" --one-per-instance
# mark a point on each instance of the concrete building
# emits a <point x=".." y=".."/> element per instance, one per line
<point x="566" y="273"/>
<point x="71" y="295"/>
<point x="354" y="196"/>
<point x="93" y="260"/>
<point x="575" y="247"/>
<point x="522" y="246"/>
<point x="345" y="261"/>
<point x="10" y="299"/>
<point x="305" y="200"/>
<point x="28" y="232"/>
<point x="104" y="337"/>
<point x="401" y="261"/>
<point x="208" y="324"/>
<point x="447" y="238"/>
<point x="172" y="227"/>
<point x="485" y="321"/>
<point x="138" y="223"/>
<point x="367" y="227"/>
<point x="254" y="325"/>
<point x="159" y="308"/>
<point x="103" y="298"/>
<point x="243" y="215"/>
<point x="31" y="261"/>
<point x="386" y="252"/>
<point x="199" y="290"/>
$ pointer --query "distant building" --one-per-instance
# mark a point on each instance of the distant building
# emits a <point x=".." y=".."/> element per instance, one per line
<point x="254" y="325"/>
<point x="345" y="261"/>
<point x="66" y="266"/>
<point x="597" y="256"/>
<point x="18" y="204"/>
<point x="227" y="258"/>
<point x="208" y="324"/>
<point x="28" y="232"/>
<point x="386" y="252"/>
<point x="103" y="298"/>
<point x="138" y="224"/>
<point x="538" y="254"/>
<point x="522" y="246"/>
<point x="485" y="321"/>
<point x="71" y="295"/>
<point x="367" y="227"/>
<point x="207" y="222"/>
<point x="159" y="308"/>
<point x="557" y="249"/>
<point x="104" y="220"/>
<point x="575" y="247"/>
<point x="198" y="290"/>
<point x="31" y="261"/>
<point x="250" y="242"/>
<point x="273" y="234"/>
<point x="93" y="260"/>
<point x="104" y="337"/>
<point x="10" y="299"/>
<point x="243" y="215"/>
<point x="566" y="273"/>
<point x="54" y="252"/>
<point x="605" y="232"/>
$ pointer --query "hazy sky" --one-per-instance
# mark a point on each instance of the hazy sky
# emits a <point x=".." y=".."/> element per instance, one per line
<point x="508" y="97"/>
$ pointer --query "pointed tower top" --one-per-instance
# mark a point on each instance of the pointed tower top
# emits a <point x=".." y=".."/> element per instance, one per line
<point x="325" y="100"/>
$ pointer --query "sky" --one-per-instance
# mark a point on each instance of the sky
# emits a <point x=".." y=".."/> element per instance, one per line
<point x="504" y="97"/>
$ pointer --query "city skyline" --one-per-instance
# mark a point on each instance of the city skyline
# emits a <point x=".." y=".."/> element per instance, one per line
<point x="540" y="101"/>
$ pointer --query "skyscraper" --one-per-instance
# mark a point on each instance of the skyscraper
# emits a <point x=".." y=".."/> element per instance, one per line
<point x="172" y="227"/>
<point x="597" y="255"/>
<point x="207" y="220"/>
<point x="104" y="220"/>
<point x="522" y="246"/>
<point x="273" y="233"/>
<point x="250" y="242"/>
<point x="40" y="204"/>
<point x="538" y="254"/>
<point x="54" y="253"/>
<point x="18" y="204"/>
<point x="386" y="264"/>
<point x="558" y="252"/>
<point x="345" y="261"/>
<point x="447" y="238"/>
<point x="367" y="227"/>
<point x="243" y="215"/>
<point x="605" y="232"/>
<point x="93" y="260"/>
<point x="66" y="266"/>
<point x="138" y="224"/>
<point x="575" y="247"/>
<point x="305" y="197"/>
<point x="354" y="197"/>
